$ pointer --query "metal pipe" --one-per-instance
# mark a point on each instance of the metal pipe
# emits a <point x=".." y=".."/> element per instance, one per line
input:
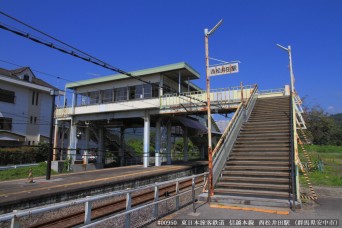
<point x="50" y="154"/>
<point x="210" y="156"/>
<point x="293" y="207"/>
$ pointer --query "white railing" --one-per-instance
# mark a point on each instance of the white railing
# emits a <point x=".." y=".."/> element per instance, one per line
<point x="299" y="111"/>
<point x="63" y="112"/>
<point x="221" y="96"/>
<point x="225" y="144"/>
<point x="89" y="200"/>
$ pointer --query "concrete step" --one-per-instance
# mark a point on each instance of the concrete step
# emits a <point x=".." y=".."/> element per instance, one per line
<point x="263" y="138"/>
<point x="262" y="117"/>
<point x="263" y="131"/>
<point x="270" y="144"/>
<point x="268" y="128"/>
<point x="260" y="154"/>
<point x="254" y="193"/>
<point x="256" y="179"/>
<point x="257" y="168"/>
<point x="251" y="173"/>
<point x="270" y="108"/>
<point x="257" y="163"/>
<point x="264" y="134"/>
<point x="239" y="185"/>
<point x="236" y="157"/>
<point x="248" y="201"/>
<point x="261" y="122"/>
<point x="266" y="125"/>
<point x="271" y="113"/>
<point x="257" y="142"/>
<point x="265" y="149"/>
<point x="267" y="119"/>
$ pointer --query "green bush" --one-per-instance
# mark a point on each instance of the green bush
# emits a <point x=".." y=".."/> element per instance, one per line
<point x="24" y="155"/>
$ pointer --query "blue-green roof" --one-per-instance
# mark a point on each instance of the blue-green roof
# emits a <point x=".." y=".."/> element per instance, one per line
<point x="187" y="70"/>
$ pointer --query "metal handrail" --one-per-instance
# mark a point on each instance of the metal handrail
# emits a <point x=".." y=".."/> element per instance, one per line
<point x="292" y="152"/>
<point x="242" y="113"/>
<point x="279" y="90"/>
<point x="204" y="91"/>
<point x="89" y="199"/>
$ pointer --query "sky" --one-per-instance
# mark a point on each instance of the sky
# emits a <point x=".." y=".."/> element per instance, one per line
<point x="138" y="34"/>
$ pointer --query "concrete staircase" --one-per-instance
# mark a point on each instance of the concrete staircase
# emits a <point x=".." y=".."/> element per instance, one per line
<point x="258" y="169"/>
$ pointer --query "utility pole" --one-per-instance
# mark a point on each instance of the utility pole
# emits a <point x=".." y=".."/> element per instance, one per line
<point x="210" y="150"/>
<point x="53" y="94"/>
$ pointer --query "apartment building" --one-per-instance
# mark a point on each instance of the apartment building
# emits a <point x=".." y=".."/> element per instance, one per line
<point x="25" y="108"/>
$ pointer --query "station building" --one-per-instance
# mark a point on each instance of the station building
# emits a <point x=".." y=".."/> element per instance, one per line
<point x="162" y="99"/>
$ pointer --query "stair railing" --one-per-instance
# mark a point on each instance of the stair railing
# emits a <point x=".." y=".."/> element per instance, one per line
<point x="294" y="155"/>
<point x="230" y="134"/>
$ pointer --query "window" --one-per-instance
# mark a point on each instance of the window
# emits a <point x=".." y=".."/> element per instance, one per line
<point x="37" y="95"/>
<point x="26" y="78"/>
<point x="155" y="90"/>
<point x="5" y="123"/>
<point x="31" y="120"/>
<point x="7" y="96"/>
<point x="121" y="94"/>
<point x="139" y="92"/>
<point x="147" y="91"/>
<point x="84" y="98"/>
<point x="35" y="120"/>
<point x="33" y="95"/>
<point x="94" y="97"/>
<point x="107" y="96"/>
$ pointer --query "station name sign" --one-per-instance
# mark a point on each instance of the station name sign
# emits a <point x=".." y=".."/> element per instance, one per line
<point x="223" y="69"/>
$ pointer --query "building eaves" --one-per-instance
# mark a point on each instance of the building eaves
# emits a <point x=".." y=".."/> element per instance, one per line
<point x="13" y="74"/>
<point x="139" y="73"/>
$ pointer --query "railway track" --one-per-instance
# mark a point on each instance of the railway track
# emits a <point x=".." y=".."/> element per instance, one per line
<point x="98" y="212"/>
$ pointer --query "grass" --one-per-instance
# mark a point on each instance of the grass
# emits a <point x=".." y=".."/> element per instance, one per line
<point x="331" y="158"/>
<point x="19" y="173"/>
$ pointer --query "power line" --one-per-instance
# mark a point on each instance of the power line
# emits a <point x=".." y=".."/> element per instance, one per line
<point x="87" y="56"/>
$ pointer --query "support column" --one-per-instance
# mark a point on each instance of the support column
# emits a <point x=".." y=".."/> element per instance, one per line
<point x="168" y="147"/>
<point x="72" y="142"/>
<point x="157" y="144"/>
<point x="74" y="101"/>
<point x="100" y="152"/>
<point x="122" y="146"/>
<point x="185" y="144"/>
<point x="179" y="82"/>
<point x="146" y="140"/>
<point x="161" y="84"/>
<point x="55" y="141"/>
<point x="86" y="151"/>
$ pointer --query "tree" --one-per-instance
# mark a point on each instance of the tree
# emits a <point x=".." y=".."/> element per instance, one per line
<point x="323" y="128"/>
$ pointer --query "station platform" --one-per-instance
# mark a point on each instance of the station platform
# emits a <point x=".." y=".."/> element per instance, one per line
<point x="19" y="194"/>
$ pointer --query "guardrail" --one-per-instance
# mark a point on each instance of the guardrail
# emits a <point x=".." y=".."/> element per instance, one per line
<point x="294" y="155"/>
<point x="17" y="166"/>
<point x="89" y="200"/>
<point x="198" y="98"/>
<point x="227" y="140"/>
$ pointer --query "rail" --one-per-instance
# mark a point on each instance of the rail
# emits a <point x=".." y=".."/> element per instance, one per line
<point x="227" y="140"/>
<point x="88" y="202"/>
<point x="222" y="96"/>
<point x="293" y="154"/>
<point x="269" y="91"/>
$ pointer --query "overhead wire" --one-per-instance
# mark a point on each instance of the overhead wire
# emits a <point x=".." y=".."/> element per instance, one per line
<point x="87" y="56"/>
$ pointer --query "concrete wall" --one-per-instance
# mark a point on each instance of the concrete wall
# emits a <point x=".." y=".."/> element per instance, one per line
<point x="22" y="110"/>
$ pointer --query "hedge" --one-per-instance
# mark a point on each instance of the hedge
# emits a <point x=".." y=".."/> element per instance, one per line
<point x="23" y="155"/>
